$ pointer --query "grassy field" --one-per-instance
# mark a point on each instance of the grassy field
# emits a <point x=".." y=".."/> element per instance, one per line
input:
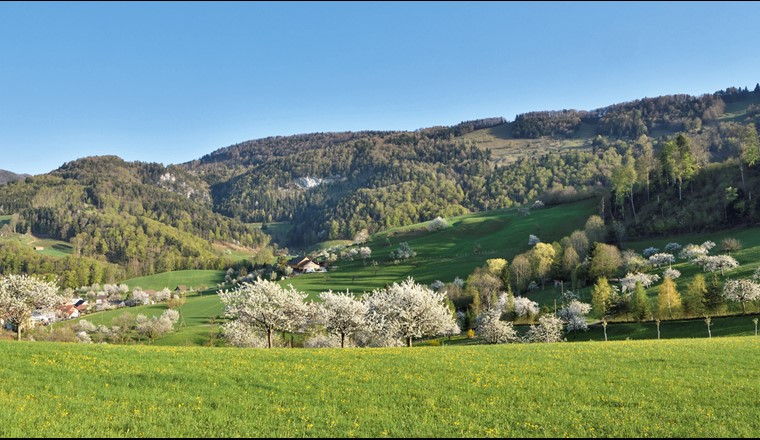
<point x="53" y="248"/>
<point x="446" y="254"/>
<point x="194" y="279"/>
<point x="505" y="149"/>
<point x="678" y="388"/>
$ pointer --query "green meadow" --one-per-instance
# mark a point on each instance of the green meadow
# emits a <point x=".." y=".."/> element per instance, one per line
<point x="195" y="279"/>
<point x="673" y="388"/>
<point x="453" y="252"/>
<point x="53" y="248"/>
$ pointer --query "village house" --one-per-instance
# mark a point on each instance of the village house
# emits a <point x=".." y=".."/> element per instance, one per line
<point x="304" y="265"/>
<point x="68" y="311"/>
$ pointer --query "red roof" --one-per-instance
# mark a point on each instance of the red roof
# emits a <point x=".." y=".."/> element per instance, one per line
<point x="67" y="309"/>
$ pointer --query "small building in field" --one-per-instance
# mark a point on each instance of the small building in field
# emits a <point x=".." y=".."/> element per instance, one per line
<point x="304" y="265"/>
<point x="181" y="289"/>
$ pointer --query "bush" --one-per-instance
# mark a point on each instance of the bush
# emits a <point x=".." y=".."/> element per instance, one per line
<point x="437" y="224"/>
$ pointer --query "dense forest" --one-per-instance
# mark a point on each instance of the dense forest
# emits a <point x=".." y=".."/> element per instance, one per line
<point x="659" y="159"/>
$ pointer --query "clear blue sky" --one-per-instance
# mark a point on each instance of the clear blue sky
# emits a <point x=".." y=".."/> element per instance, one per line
<point x="170" y="82"/>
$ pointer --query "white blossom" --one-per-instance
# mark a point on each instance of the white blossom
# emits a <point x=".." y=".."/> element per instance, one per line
<point x="21" y="295"/>
<point x="341" y="314"/>
<point x="525" y="308"/>
<point x="437" y="224"/>
<point x="671" y="273"/>
<point x="495" y="331"/>
<point x="648" y="252"/>
<point x="408" y="310"/>
<point x="84" y="326"/>
<point x="549" y="329"/>
<point x="533" y="240"/>
<point x="629" y="281"/>
<point x="437" y="285"/>
<point x="239" y="334"/>
<point x="403" y="252"/>
<point x="672" y="247"/>
<point x="574" y="315"/>
<point x="266" y="305"/>
<point x="741" y="291"/>
<point x="84" y="338"/>
<point x="365" y="252"/>
<point x="140" y="297"/>
<point x="171" y="315"/>
<point x="714" y="263"/>
<point x="660" y="259"/>
<point x="692" y="251"/>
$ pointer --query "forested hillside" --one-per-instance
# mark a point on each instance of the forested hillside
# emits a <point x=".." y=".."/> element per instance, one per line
<point x="143" y="217"/>
<point x="333" y="185"/>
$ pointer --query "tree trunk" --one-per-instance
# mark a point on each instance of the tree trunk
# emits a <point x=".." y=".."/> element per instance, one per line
<point x="658" y="330"/>
<point x="633" y="207"/>
<point x="18" y="331"/>
<point x="680" y="184"/>
<point x="342" y="340"/>
<point x="408" y="341"/>
<point x="647" y="187"/>
<point x="269" y="337"/>
<point x="741" y="170"/>
<point x="744" y="308"/>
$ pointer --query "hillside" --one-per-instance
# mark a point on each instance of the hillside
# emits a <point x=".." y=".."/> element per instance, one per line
<point x="145" y="218"/>
<point x="7" y="176"/>
<point x="627" y="389"/>
<point x="332" y="185"/>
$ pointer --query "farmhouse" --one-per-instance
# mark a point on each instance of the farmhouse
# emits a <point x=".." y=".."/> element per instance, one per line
<point x="304" y="264"/>
<point x="181" y="288"/>
<point x="68" y="311"/>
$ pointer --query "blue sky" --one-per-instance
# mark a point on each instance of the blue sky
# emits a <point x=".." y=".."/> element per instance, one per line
<point x="170" y="82"/>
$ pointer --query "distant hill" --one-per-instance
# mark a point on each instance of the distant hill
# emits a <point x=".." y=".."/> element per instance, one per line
<point x="7" y="176"/>
<point x="143" y="217"/>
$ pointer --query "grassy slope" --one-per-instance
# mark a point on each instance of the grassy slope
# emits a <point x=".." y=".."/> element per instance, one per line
<point x="506" y="149"/>
<point x="680" y="388"/>
<point x="453" y="252"/>
<point x="190" y="278"/>
<point x="54" y="248"/>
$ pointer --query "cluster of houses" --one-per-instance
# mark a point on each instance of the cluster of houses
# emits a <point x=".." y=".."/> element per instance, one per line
<point x="77" y="307"/>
